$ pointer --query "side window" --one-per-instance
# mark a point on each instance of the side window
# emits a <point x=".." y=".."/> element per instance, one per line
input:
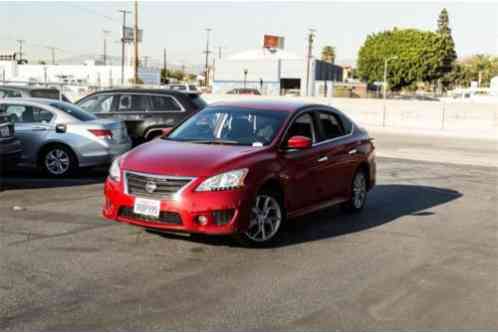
<point x="27" y="114"/>
<point x="99" y="103"/>
<point x="88" y="104"/>
<point x="2" y="94"/>
<point x="163" y="103"/>
<point x="302" y="126"/>
<point x="104" y="104"/>
<point x="42" y="116"/>
<point x="12" y="93"/>
<point x="347" y="123"/>
<point x="132" y="103"/>
<point x="331" y="126"/>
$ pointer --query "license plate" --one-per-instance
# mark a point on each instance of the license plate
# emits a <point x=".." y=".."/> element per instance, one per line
<point x="147" y="207"/>
<point x="4" y="132"/>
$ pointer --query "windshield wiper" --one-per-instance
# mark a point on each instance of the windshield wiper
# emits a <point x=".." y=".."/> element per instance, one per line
<point x="216" y="142"/>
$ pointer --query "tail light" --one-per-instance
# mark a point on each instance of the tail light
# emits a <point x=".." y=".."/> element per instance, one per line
<point x="101" y="133"/>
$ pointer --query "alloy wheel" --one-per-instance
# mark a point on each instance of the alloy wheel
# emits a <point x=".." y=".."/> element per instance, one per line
<point x="266" y="217"/>
<point x="57" y="161"/>
<point x="359" y="190"/>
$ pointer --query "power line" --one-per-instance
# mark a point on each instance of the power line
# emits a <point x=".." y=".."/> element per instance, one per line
<point x="92" y="11"/>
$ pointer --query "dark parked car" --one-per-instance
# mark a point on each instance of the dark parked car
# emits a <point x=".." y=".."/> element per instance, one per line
<point x="8" y="91"/>
<point x="146" y="112"/>
<point x="243" y="168"/>
<point x="10" y="147"/>
<point x="244" y="91"/>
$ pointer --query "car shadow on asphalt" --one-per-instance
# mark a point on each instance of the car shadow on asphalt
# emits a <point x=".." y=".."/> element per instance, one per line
<point x="30" y="178"/>
<point x="386" y="203"/>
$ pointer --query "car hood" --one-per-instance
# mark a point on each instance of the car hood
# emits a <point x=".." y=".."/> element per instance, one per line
<point x="184" y="159"/>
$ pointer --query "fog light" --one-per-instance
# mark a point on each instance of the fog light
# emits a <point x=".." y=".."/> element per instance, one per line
<point x="202" y="220"/>
<point x="222" y="217"/>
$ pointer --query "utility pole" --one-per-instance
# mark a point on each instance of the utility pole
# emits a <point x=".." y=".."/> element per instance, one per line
<point x="206" y="69"/>
<point x="219" y="51"/>
<point x="165" y="66"/>
<point x="135" y="45"/>
<point x="20" y="42"/>
<point x="311" y="37"/>
<point x="106" y="32"/>
<point x="123" y="43"/>
<point x="52" y="49"/>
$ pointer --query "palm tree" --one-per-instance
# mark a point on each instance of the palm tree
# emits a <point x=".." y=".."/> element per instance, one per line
<point x="328" y="54"/>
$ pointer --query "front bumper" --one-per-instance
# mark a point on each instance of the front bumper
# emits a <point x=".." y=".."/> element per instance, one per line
<point x="189" y="206"/>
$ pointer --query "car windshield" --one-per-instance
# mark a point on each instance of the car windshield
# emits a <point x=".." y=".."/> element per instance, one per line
<point x="231" y="126"/>
<point x="74" y="111"/>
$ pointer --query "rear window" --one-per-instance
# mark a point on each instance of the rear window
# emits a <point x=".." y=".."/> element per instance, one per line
<point x="45" y="93"/>
<point x="164" y="103"/>
<point x="74" y="111"/>
<point x="198" y="101"/>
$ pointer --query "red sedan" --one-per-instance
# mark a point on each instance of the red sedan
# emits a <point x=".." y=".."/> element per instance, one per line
<point x="243" y="168"/>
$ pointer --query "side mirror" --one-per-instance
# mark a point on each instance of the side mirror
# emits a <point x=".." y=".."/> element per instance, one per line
<point x="299" y="142"/>
<point x="166" y="131"/>
<point x="60" y="128"/>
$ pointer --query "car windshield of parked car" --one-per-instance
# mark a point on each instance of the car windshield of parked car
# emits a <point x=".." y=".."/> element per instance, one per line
<point x="74" y="111"/>
<point x="234" y="126"/>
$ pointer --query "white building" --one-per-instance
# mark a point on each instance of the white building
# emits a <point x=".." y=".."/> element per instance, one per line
<point x="87" y="74"/>
<point x="272" y="72"/>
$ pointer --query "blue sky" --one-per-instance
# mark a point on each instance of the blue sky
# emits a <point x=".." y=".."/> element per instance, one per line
<point x="76" y="27"/>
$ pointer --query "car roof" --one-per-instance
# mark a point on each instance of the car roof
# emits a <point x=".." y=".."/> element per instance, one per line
<point x="18" y="100"/>
<point x="146" y="91"/>
<point x="266" y="104"/>
<point x="26" y="88"/>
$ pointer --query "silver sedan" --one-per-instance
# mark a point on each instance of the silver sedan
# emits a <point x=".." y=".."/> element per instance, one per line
<point x="60" y="137"/>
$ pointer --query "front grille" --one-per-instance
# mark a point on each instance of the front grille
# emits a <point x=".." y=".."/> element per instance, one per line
<point x="154" y="186"/>
<point x="164" y="217"/>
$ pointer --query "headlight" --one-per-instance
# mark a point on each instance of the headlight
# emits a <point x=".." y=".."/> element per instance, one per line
<point x="115" y="169"/>
<point x="224" y="181"/>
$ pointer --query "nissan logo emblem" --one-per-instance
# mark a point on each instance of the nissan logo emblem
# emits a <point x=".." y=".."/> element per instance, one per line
<point x="150" y="187"/>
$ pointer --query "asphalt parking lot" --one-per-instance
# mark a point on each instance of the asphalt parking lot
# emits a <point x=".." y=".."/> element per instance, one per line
<point x="422" y="256"/>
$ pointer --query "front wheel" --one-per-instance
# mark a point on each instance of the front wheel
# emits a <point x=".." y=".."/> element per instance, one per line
<point x="266" y="218"/>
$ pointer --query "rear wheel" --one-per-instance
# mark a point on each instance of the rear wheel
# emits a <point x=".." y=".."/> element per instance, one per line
<point x="266" y="218"/>
<point x="358" y="192"/>
<point x="58" y="161"/>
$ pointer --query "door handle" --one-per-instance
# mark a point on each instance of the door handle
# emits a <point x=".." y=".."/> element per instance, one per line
<point x="323" y="159"/>
<point x="39" y="128"/>
<point x="353" y="152"/>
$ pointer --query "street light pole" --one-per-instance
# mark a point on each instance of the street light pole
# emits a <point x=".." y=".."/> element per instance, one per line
<point x="386" y="60"/>
<point x="311" y="37"/>
<point x="106" y="32"/>
<point x="385" y="73"/>
<point x="123" y="43"/>
<point x="206" y="69"/>
<point x="245" y="77"/>
<point x="135" y="44"/>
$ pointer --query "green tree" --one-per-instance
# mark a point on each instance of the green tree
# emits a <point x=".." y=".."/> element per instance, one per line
<point x="174" y="74"/>
<point x="328" y="54"/>
<point x="419" y="57"/>
<point x="447" y="45"/>
<point x="472" y="68"/>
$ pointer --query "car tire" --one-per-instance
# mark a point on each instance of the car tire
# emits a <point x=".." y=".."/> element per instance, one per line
<point x="359" y="190"/>
<point x="58" y="161"/>
<point x="267" y="217"/>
